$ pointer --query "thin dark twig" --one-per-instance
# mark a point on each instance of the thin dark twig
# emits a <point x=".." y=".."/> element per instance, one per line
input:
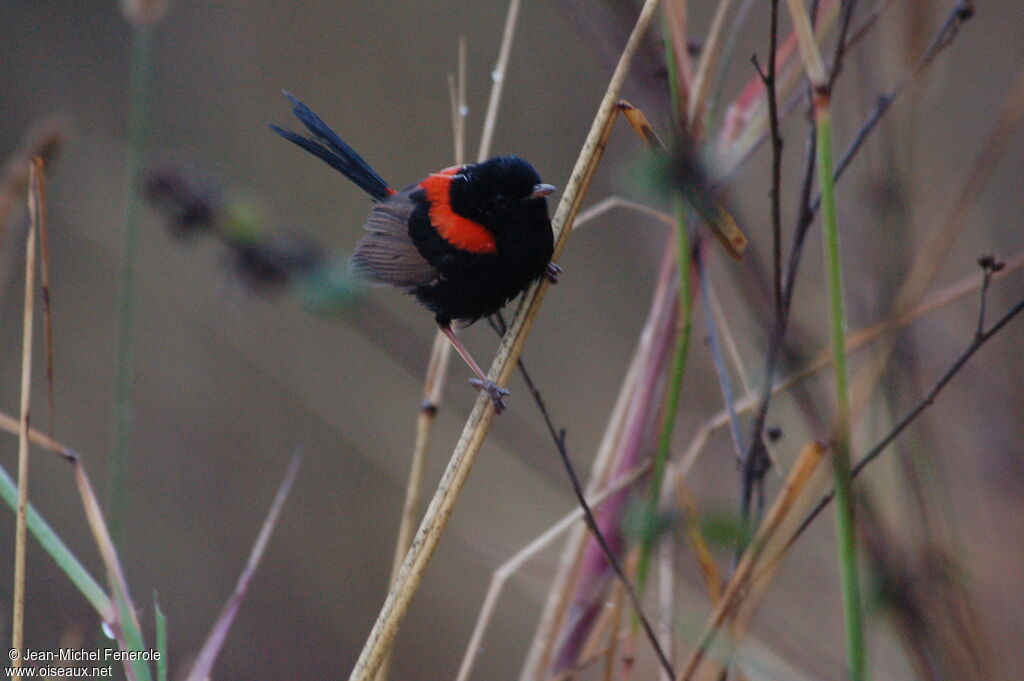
<point x="844" y="30"/>
<point x="773" y="118"/>
<point x="44" y="280"/>
<point x="961" y="12"/>
<point x="989" y="266"/>
<point x="497" y="323"/>
<point x="757" y="464"/>
<point x="979" y="340"/>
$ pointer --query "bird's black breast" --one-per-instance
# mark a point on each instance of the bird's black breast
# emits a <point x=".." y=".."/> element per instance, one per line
<point x="474" y="285"/>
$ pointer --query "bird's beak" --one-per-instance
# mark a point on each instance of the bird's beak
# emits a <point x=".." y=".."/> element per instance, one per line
<point x="542" y="190"/>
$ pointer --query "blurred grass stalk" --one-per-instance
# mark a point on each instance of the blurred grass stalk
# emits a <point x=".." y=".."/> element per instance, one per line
<point x="845" y="529"/>
<point x="141" y="15"/>
<point x="161" y="640"/>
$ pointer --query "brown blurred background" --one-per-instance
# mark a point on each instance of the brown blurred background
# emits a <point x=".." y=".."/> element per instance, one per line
<point x="228" y="384"/>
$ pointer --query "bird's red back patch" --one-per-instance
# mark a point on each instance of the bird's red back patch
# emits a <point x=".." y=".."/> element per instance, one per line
<point x="457" y="230"/>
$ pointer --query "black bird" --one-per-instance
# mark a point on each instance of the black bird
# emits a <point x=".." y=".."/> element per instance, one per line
<point x="465" y="240"/>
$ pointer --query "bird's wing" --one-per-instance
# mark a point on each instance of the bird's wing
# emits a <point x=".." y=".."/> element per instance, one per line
<point x="386" y="254"/>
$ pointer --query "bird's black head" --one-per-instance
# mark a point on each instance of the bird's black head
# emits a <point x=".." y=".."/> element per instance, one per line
<point x="503" y="193"/>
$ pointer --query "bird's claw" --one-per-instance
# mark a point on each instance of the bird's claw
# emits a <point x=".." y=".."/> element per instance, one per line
<point x="552" y="272"/>
<point x="493" y="390"/>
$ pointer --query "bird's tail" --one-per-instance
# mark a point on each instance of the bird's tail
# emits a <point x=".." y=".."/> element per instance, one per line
<point x="325" y="144"/>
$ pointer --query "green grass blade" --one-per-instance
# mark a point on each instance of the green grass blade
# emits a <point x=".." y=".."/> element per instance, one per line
<point x="60" y="553"/>
<point x="680" y="353"/>
<point x="161" y="640"/>
<point x="845" y="527"/>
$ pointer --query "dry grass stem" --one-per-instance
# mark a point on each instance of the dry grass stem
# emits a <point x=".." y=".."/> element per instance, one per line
<point x="498" y="76"/>
<point x="747" y="121"/>
<point x="951" y="293"/>
<point x="809" y="52"/>
<point x="731" y="348"/>
<point x="641" y="126"/>
<point x="43" y="141"/>
<point x="701" y="551"/>
<point x="122" y="607"/>
<point x="607" y="628"/>
<point x="610" y="203"/>
<point x="457" y="96"/>
<point x="37" y="215"/>
<point x="36" y="437"/>
<point x="706" y="66"/>
<point x="676" y="23"/>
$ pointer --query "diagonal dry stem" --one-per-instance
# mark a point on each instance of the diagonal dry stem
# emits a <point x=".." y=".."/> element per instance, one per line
<point x="203" y="666"/>
<point x="35" y="207"/>
<point x="123" y="620"/>
<point x="477" y="425"/>
<point x="706" y="65"/>
<point x="612" y="202"/>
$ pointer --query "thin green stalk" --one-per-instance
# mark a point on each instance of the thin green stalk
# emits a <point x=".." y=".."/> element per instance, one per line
<point x="845" y="529"/>
<point x="141" y="69"/>
<point x="680" y="352"/>
<point x="57" y="549"/>
<point x="682" y="347"/>
<point x="161" y="640"/>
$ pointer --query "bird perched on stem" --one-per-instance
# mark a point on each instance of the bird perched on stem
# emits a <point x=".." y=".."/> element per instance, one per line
<point x="465" y="240"/>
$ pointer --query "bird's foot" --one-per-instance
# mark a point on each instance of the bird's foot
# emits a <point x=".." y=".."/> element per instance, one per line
<point x="493" y="390"/>
<point x="552" y="272"/>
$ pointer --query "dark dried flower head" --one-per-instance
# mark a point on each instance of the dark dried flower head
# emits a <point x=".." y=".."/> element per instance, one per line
<point x="275" y="260"/>
<point x="189" y="203"/>
<point x="991" y="263"/>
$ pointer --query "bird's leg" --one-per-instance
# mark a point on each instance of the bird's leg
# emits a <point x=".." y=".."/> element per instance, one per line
<point x="552" y="272"/>
<point x="496" y="392"/>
